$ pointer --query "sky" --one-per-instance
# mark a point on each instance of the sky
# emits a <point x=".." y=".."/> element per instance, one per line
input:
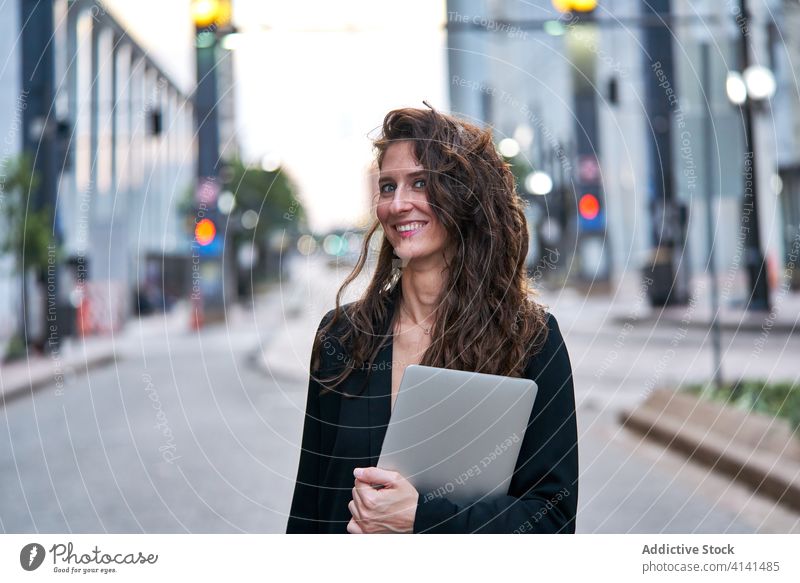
<point x="314" y="79"/>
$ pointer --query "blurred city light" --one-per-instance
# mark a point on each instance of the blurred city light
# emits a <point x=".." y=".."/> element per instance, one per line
<point x="334" y="245"/>
<point x="306" y="245"/>
<point x="777" y="183"/>
<point x="249" y="219"/>
<point x="509" y="147"/>
<point x="247" y="255"/>
<point x="760" y="82"/>
<point x="539" y="183"/>
<point x="735" y="88"/>
<point x="233" y="41"/>
<point x="554" y="28"/>
<point x="226" y="202"/>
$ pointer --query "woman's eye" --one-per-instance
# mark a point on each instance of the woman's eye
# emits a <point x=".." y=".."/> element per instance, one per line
<point x="419" y="183"/>
<point x="386" y="187"/>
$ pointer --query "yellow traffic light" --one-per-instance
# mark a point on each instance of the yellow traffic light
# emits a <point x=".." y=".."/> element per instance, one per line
<point x="205" y="12"/>
<point x="584" y="5"/>
<point x="574" y="5"/>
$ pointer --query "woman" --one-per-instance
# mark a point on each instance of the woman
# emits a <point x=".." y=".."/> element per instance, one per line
<point x="449" y="290"/>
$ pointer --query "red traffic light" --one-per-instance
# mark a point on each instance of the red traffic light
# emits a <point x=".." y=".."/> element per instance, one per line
<point x="205" y="231"/>
<point x="589" y="206"/>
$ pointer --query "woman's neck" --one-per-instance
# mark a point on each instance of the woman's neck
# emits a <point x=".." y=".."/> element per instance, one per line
<point x="422" y="288"/>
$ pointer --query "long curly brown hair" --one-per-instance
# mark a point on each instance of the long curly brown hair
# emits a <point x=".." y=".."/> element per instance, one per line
<point x="487" y="319"/>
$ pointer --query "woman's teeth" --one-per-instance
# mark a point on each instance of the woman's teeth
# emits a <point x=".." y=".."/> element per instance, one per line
<point x="410" y="227"/>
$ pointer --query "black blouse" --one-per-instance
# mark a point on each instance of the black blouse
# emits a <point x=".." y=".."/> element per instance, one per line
<point x="341" y="433"/>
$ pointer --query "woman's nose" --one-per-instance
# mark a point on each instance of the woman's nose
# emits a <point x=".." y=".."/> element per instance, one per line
<point x="401" y="200"/>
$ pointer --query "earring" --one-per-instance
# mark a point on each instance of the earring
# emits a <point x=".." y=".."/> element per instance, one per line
<point x="397" y="271"/>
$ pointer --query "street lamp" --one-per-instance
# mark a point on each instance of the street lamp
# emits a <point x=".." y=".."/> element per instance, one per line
<point x="756" y="83"/>
<point x="759" y="85"/>
<point x="735" y="88"/>
<point x="212" y="21"/>
<point x="760" y="82"/>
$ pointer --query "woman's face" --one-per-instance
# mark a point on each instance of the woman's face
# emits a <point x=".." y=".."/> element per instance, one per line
<point x="402" y="207"/>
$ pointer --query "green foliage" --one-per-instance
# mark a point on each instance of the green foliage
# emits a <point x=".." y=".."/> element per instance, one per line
<point x="27" y="235"/>
<point x="271" y="194"/>
<point x="30" y="231"/>
<point x="779" y="399"/>
<point x="16" y="349"/>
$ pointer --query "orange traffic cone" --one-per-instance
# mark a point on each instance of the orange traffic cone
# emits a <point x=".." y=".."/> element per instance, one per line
<point x="196" y="315"/>
<point x="82" y="322"/>
<point x="772" y="272"/>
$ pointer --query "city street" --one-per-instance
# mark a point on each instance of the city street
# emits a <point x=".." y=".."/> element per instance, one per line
<point x="199" y="432"/>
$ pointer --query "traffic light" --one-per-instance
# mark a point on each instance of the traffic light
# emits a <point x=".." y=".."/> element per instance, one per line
<point x="213" y="15"/>
<point x="574" y="5"/>
<point x="591" y="215"/>
<point x="205" y="231"/>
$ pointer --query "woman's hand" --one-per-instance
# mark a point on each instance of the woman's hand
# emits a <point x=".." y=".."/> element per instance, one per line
<point x="390" y="509"/>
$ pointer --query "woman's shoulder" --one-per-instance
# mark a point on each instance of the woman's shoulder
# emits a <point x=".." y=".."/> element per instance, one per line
<point x="344" y="316"/>
<point x="553" y="348"/>
<point x="331" y="337"/>
<point x="552" y="323"/>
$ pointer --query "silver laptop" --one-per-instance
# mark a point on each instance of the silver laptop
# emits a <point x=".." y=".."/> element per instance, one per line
<point x="457" y="434"/>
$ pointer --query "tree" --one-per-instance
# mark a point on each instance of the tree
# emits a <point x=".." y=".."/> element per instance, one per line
<point x="28" y="234"/>
<point x="271" y="194"/>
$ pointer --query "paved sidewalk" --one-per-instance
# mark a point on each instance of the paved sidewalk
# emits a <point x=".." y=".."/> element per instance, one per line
<point x="630" y="303"/>
<point x="754" y="448"/>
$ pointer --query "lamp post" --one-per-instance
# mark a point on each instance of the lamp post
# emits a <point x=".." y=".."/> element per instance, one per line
<point x="212" y="19"/>
<point x="581" y="47"/>
<point x="754" y="85"/>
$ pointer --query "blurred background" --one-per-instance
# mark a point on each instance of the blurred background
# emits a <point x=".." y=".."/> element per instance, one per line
<point x="184" y="186"/>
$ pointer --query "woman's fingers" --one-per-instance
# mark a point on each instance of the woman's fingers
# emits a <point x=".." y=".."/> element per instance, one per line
<point x="353" y="528"/>
<point x="354" y="510"/>
<point x="360" y="496"/>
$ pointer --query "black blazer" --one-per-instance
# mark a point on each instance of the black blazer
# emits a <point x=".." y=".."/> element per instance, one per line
<point x="341" y="433"/>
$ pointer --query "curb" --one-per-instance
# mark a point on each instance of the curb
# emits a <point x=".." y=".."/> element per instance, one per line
<point x="723" y="438"/>
<point x="43" y="371"/>
<point x="747" y="324"/>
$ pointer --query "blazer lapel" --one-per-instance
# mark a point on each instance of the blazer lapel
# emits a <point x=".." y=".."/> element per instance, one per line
<point x="379" y="392"/>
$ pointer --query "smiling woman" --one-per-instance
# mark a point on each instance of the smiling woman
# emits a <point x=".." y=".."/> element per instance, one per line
<point x="454" y="238"/>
